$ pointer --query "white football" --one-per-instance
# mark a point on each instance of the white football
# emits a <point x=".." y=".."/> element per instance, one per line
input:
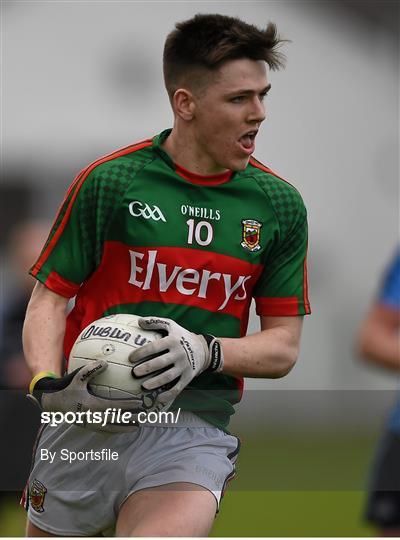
<point x="112" y="338"/>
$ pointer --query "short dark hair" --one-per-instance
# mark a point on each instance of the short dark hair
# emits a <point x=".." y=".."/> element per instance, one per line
<point x="199" y="46"/>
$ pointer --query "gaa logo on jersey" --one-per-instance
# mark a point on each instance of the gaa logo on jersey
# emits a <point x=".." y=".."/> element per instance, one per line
<point x="251" y="234"/>
<point x="37" y="493"/>
<point x="139" y="209"/>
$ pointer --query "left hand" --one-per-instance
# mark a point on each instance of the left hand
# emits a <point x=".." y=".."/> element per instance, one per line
<point x="180" y="354"/>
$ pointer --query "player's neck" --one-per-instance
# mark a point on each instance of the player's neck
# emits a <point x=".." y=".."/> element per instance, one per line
<point x="186" y="152"/>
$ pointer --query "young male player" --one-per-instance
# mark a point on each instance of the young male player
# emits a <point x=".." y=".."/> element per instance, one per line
<point x="183" y="229"/>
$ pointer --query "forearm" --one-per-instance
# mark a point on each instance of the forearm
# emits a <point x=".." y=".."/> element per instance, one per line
<point x="378" y="338"/>
<point x="269" y="354"/>
<point x="381" y="348"/>
<point x="43" y="331"/>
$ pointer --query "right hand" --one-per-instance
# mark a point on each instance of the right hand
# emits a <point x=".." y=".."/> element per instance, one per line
<point x="71" y="393"/>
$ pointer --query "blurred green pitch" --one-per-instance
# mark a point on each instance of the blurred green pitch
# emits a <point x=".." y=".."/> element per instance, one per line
<point x="299" y="484"/>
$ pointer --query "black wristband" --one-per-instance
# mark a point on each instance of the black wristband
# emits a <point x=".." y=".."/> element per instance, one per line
<point x="215" y="349"/>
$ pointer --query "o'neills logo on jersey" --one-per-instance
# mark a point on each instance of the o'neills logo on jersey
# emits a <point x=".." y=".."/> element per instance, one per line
<point x="156" y="275"/>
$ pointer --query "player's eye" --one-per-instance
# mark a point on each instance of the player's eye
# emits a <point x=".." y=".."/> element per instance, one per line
<point x="238" y="99"/>
<point x="263" y="96"/>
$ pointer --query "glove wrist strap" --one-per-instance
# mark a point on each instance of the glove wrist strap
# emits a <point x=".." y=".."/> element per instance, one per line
<point x="216" y="357"/>
<point x="39" y="376"/>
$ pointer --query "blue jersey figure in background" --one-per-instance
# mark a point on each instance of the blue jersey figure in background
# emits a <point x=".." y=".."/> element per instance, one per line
<point x="379" y="342"/>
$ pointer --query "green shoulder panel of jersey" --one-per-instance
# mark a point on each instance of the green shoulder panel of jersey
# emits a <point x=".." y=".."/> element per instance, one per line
<point x="87" y="208"/>
<point x="285" y="199"/>
<point x="283" y="287"/>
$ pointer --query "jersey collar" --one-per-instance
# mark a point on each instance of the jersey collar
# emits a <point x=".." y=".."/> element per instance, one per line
<point x="194" y="178"/>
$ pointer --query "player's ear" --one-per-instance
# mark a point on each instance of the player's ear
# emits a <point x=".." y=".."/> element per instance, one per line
<point x="183" y="104"/>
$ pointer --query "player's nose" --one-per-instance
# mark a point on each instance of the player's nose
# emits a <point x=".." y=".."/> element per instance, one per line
<point x="256" y="111"/>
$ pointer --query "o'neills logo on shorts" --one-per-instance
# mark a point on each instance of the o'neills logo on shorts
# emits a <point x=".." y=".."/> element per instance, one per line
<point x="156" y="275"/>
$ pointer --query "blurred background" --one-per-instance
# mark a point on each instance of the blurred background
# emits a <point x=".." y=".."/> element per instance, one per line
<point x="82" y="78"/>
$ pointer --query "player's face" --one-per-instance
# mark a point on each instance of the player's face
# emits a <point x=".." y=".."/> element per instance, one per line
<point x="229" y="113"/>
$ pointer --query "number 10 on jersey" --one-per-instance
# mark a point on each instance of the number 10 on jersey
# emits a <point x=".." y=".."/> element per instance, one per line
<point x="202" y="232"/>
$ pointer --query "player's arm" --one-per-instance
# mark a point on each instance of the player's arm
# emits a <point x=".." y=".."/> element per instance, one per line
<point x="378" y="337"/>
<point x="182" y="355"/>
<point x="270" y="353"/>
<point x="43" y="336"/>
<point x="43" y="331"/>
<point x="42" y="339"/>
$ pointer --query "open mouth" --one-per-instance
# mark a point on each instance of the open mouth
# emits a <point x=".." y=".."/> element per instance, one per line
<point x="247" y="142"/>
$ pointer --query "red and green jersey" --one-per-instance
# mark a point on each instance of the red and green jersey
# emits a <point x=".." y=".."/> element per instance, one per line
<point x="138" y="234"/>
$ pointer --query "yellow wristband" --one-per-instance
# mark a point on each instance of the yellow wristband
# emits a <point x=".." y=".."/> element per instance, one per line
<point x="39" y="376"/>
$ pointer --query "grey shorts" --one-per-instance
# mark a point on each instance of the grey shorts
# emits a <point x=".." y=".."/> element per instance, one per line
<point x="80" y="478"/>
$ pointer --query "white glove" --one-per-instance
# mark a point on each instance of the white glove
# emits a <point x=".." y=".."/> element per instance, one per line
<point x="71" y="393"/>
<point x="180" y="355"/>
